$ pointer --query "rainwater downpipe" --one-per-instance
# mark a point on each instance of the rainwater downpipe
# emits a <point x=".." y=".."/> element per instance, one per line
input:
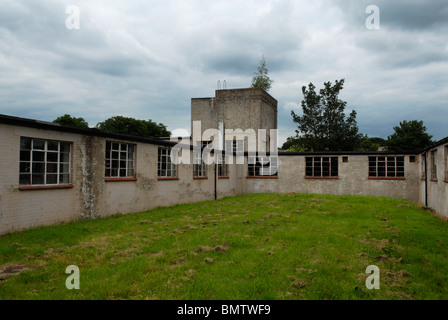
<point x="426" y="179"/>
<point x="216" y="180"/>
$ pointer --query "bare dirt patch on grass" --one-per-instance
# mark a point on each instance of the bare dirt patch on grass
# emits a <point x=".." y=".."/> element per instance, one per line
<point x="13" y="270"/>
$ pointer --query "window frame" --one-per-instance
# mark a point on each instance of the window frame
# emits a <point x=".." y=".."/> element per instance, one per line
<point x="234" y="147"/>
<point x="164" y="153"/>
<point x="199" y="165"/>
<point x="446" y="163"/>
<point x="311" y="167"/>
<point x="433" y="162"/>
<point x="223" y="166"/>
<point x="130" y="173"/>
<point x="387" y="167"/>
<point x="255" y="168"/>
<point x="62" y="166"/>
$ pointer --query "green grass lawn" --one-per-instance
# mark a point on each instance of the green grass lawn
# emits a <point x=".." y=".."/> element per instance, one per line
<point x="262" y="246"/>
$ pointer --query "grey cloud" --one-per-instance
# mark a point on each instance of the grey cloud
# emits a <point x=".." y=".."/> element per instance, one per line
<point x="398" y="14"/>
<point x="148" y="59"/>
<point x="401" y="50"/>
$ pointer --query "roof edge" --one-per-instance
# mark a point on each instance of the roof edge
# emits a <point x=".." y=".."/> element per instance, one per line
<point x="30" y="123"/>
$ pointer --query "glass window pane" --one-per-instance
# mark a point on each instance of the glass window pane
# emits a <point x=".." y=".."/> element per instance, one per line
<point x="64" y="157"/>
<point x="25" y="143"/>
<point x="25" y="179"/>
<point x="52" y="179"/>
<point x="38" y="167"/>
<point x="334" y="171"/>
<point x="52" y="156"/>
<point x="39" y="144"/>
<point x="65" y="147"/>
<point x="64" y="168"/>
<point x="25" y="155"/>
<point x="52" y="168"/>
<point x="37" y="179"/>
<point x="52" y="145"/>
<point x="38" y="156"/>
<point x="64" y="178"/>
<point x="25" y="167"/>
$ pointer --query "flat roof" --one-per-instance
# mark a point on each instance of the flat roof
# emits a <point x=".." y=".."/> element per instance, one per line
<point x="22" y="122"/>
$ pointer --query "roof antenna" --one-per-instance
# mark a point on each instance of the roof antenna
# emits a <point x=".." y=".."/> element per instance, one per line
<point x="219" y="85"/>
<point x="224" y="85"/>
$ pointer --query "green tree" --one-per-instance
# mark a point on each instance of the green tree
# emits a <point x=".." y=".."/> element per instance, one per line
<point x="324" y="125"/>
<point x="141" y="128"/>
<point x="409" y="135"/>
<point x="371" y="144"/>
<point x="290" y="141"/>
<point x="68" y="120"/>
<point x="261" y="79"/>
<point x="293" y="144"/>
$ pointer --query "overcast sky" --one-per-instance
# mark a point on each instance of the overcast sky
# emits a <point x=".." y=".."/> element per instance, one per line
<point x="147" y="59"/>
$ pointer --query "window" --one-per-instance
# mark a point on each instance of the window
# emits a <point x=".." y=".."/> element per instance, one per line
<point x="345" y="159"/>
<point x="412" y="159"/>
<point x="44" y="162"/>
<point x="259" y="167"/>
<point x="166" y="169"/>
<point x="386" y="167"/>
<point x="199" y="166"/>
<point x="325" y="167"/>
<point x="223" y="167"/>
<point x="235" y="146"/>
<point x="119" y="160"/>
<point x="434" y="165"/>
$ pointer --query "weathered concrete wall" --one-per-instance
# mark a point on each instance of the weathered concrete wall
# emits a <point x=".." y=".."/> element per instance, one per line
<point x="352" y="180"/>
<point x="91" y="196"/>
<point x="150" y="192"/>
<point x="248" y="108"/>
<point x="204" y="110"/>
<point x="29" y="208"/>
<point x="437" y="189"/>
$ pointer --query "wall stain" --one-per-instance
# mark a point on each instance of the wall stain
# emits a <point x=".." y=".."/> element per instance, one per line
<point x="145" y="183"/>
